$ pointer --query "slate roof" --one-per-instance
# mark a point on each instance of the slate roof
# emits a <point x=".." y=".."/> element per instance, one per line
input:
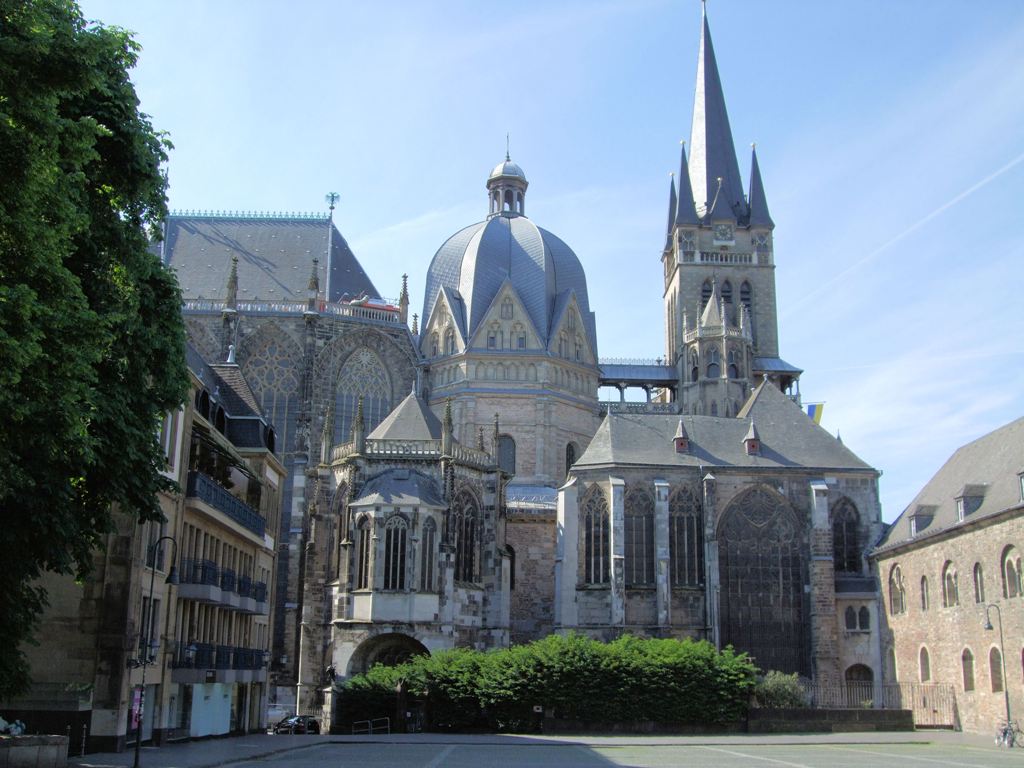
<point x="789" y="439"/>
<point x="476" y="261"/>
<point x="275" y="257"/>
<point x="991" y="464"/>
<point x="245" y="424"/>
<point x="400" y="487"/>
<point x="410" y="420"/>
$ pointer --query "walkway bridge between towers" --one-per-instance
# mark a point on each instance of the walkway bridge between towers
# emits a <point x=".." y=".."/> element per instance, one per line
<point x="652" y="376"/>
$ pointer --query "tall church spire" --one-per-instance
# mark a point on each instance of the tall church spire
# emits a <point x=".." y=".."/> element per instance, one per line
<point x="712" y="154"/>
<point x="759" y="216"/>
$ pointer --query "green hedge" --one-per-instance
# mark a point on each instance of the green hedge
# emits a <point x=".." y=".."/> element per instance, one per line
<point x="576" y="678"/>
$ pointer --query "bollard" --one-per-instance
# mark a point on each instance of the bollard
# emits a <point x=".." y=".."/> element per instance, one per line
<point x="85" y="731"/>
<point x="67" y="733"/>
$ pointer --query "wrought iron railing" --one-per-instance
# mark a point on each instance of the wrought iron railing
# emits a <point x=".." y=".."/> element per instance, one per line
<point x="227" y="580"/>
<point x="200" y="572"/>
<point x="206" y="489"/>
<point x="259" y="592"/>
<point x="931" y="703"/>
<point x="245" y="586"/>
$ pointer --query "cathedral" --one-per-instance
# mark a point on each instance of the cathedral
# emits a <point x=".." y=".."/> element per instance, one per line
<point x="456" y="482"/>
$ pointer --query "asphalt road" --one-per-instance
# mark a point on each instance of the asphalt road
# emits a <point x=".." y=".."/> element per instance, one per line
<point x="641" y="754"/>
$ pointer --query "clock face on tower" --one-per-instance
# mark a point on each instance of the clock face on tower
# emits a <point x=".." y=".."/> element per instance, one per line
<point x="723" y="233"/>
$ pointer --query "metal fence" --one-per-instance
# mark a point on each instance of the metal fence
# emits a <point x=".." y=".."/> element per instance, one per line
<point x="933" y="704"/>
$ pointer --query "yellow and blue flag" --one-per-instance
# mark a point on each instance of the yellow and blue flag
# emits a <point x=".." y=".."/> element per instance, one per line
<point x="814" y="411"/>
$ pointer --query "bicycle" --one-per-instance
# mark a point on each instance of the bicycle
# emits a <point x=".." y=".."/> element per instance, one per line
<point x="1008" y="734"/>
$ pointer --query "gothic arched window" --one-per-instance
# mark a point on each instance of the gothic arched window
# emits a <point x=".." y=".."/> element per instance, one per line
<point x="428" y="555"/>
<point x="967" y="663"/>
<point x="1010" y="566"/>
<point x="851" y="617"/>
<point x="570" y="456"/>
<point x="363" y="375"/>
<point x="506" y="309"/>
<point x="746" y="296"/>
<point x="465" y="526"/>
<point x="507" y="454"/>
<point x="396" y="532"/>
<point x="685" y="539"/>
<point x="727" y="292"/>
<point x="363" y="543"/>
<point x="864" y="618"/>
<point x="979" y="584"/>
<point x="734" y="368"/>
<point x="705" y="294"/>
<point x="925" y="599"/>
<point x="435" y="349"/>
<point x="449" y="342"/>
<point x="712" y="362"/>
<point x="694" y="368"/>
<point x="639" y="538"/>
<point x="995" y="670"/>
<point x="950" y="590"/>
<point x="594" y="531"/>
<point x="924" y="665"/>
<point x="897" y="601"/>
<point x="845" y="540"/>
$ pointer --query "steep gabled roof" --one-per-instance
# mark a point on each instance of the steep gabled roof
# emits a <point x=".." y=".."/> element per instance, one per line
<point x="274" y="257"/>
<point x="989" y="466"/>
<point x="788" y="439"/>
<point x="410" y="420"/>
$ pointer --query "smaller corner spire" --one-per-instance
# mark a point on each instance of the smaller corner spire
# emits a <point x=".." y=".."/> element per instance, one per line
<point x="759" y="216"/>
<point x="671" y="210"/>
<point x="686" y="211"/>
<point x="313" y="286"/>
<point x="415" y="324"/>
<point x="359" y="428"/>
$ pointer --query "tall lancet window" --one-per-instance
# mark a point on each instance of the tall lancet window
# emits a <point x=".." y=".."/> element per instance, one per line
<point x="639" y="538"/>
<point x="465" y="525"/>
<point x="363" y="543"/>
<point x="396" y="532"/>
<point x="594" y="531"/>
<point x="428" y="556"/>
<point x="685" y="539"/>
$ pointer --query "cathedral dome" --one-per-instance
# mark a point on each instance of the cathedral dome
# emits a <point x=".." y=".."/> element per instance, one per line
<point x="474" y="263"/>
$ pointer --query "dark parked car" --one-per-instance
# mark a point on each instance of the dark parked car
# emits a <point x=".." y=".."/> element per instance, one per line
<point x="298" y="724"/>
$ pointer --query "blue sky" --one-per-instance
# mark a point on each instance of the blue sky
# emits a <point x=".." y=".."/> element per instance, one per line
<point x="890" y="137"/>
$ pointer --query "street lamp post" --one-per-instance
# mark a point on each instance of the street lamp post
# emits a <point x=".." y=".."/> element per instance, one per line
<point x="1002" y="653"/>
<point x="148" y="654"/>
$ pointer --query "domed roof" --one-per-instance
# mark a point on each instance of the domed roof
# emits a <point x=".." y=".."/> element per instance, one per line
<point x="507" y="168"/>
<point x="475" y="262"/>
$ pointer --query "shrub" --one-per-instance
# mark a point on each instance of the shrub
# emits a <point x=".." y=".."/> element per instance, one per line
<point x="777" y="690"/>
<point x="571" y="676"/>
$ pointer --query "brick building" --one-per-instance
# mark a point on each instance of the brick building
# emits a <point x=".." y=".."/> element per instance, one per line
<point x="953" y="552"/>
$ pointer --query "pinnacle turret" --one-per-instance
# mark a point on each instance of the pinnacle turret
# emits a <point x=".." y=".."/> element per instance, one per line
<point x="671" y="213"/>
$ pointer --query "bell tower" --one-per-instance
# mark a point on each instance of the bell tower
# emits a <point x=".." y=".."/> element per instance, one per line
<point x="719" y="268"/>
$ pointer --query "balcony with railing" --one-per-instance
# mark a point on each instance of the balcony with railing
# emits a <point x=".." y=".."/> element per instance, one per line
<point x="205" y="582"/>
<point x="206" y="489"/>
<point x="205" y="662"/>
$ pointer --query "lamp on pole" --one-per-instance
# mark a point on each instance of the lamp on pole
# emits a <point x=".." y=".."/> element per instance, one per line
<point x="1002" y="653"/>
<point x="147" y="650"/>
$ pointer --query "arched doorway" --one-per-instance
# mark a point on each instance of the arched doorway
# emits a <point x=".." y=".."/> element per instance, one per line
<point x="761" y="572"/>
<point x="860" y="684"/>
<point x="389" y="649"/>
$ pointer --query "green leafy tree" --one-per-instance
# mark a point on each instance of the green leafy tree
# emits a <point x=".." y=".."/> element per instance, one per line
<point x="91" y="337"/>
